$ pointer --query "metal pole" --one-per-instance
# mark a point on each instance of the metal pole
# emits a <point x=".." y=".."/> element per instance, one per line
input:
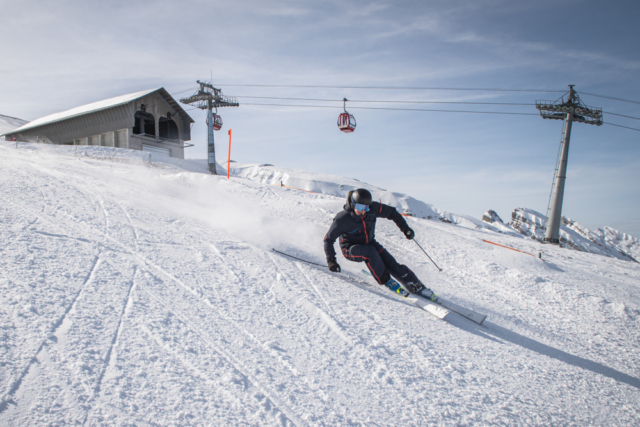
<point x="211" y="146"/>
<point x="299" y="259"/>
<point x="425" y="252"/>
<point x="229" y="159"/>
<point x="552" y="234"/>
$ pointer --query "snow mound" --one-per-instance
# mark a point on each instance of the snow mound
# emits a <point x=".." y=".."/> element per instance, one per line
<point x="340" y="186"/>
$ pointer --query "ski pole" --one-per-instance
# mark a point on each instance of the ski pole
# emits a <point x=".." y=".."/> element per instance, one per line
<point x="425" y="252"/>
<point x="299" y="259"/>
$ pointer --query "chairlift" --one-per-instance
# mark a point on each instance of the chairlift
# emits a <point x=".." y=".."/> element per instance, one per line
<point x="346" y="121"/>
<point x="217" y="121"/>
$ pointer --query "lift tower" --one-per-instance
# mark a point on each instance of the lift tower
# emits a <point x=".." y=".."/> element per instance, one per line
<point x="573" y="110"/>
<point x="208" y="98"/>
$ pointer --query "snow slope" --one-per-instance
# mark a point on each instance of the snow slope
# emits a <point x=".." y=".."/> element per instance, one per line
<point x="138" y="293"/>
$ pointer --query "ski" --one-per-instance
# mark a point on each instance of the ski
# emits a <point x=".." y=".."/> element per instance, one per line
<point x="474" y="316"/>
<point x="441" y="303"/>
<point x="429" y="306"/>
<point x="464" y="312"/>
<point x="438" y="311"/>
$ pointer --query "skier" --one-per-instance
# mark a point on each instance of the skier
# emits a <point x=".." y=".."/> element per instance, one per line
<point x="355" y="225"/>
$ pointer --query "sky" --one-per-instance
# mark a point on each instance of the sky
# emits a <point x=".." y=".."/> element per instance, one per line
<point x="56" y="56"/>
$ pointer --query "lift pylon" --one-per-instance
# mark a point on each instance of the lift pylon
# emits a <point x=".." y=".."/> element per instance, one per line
<point x="571" y="110"/>
<point x="208" y="98"/>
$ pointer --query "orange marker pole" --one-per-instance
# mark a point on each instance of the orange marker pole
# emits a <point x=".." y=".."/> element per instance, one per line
<point x="509" y="247"/>
<point x="229" y="159"/>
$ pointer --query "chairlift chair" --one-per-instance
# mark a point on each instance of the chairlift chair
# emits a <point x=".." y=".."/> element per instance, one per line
<point x="217" y="121"/>
<point x="346" y="121"/>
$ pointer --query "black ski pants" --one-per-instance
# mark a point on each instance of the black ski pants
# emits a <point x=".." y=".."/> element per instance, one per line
<point x="380" y="263"/>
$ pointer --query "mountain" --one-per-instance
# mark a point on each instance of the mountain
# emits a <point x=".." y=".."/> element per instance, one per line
<point x="532" y="224"/>
<point x="137" y="291"/>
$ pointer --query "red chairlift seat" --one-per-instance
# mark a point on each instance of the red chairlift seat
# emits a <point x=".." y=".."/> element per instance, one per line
<point x="346" y="121"/>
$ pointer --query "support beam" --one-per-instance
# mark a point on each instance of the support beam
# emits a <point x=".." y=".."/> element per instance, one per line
<point x="211" y="148"/>
<point x="552" y="234"/>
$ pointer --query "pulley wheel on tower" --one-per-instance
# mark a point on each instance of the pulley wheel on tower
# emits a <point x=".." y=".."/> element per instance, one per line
<point x="346" y="121"/>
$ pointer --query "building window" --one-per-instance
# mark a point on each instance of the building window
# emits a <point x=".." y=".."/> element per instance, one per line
<point x="167" y="128"/>
<point x="145" y="123"/>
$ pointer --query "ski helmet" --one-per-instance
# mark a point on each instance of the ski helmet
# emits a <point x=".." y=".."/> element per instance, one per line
<point x="361" y="196"/>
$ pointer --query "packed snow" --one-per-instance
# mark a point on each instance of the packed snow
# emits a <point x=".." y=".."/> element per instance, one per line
<point x="144" y="291"/>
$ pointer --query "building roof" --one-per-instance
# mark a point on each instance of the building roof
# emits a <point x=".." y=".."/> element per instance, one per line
<point x="8" y="123"/>
<point x="103" y="105"/>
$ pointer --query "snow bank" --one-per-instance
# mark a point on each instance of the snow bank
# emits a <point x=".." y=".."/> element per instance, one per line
<point x="339" y="186"/>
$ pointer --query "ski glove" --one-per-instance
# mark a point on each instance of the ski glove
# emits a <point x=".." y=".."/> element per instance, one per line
<point x="333" y="265"/>
<point x="409" y="234"/>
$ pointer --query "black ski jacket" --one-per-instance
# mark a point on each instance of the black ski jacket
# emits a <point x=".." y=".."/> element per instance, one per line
<point x="355" y="230"/>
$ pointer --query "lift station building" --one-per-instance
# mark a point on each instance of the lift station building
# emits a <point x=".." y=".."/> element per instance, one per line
<point x="150" y="120"/>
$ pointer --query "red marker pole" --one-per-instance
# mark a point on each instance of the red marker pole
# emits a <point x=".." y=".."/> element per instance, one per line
<point x="229" y="159"/>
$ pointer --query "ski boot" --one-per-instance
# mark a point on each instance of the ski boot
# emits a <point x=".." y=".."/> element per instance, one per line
<point x="419" y="289"/>
<point x="395" y="287"/>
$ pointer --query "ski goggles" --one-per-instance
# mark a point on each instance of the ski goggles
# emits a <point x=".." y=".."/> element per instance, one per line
<point x="360" y="207"/>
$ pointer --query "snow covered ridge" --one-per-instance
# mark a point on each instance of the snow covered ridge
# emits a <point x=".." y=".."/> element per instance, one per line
<point x="340" y="186"/>
<point x="608" y="242"/>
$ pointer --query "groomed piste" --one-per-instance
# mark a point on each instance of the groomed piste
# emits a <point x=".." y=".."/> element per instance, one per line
<point x="137" y="291"/>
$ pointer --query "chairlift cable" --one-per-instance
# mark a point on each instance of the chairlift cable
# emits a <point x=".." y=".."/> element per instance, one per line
<point x="622" y="115"/>
<point x="388" y="102"/>
<point x="610" y="97"/>
<point x="620" y="126"/>
<point x="394" y="88"/>
<point x="392" y="109"/>
<point x="414" y="109"/>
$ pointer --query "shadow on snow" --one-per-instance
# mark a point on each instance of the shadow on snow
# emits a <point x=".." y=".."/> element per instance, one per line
<point x="494" y="332"/>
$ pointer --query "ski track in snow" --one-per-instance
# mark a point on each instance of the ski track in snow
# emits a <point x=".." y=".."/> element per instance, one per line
<point x="137" y="295"/>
